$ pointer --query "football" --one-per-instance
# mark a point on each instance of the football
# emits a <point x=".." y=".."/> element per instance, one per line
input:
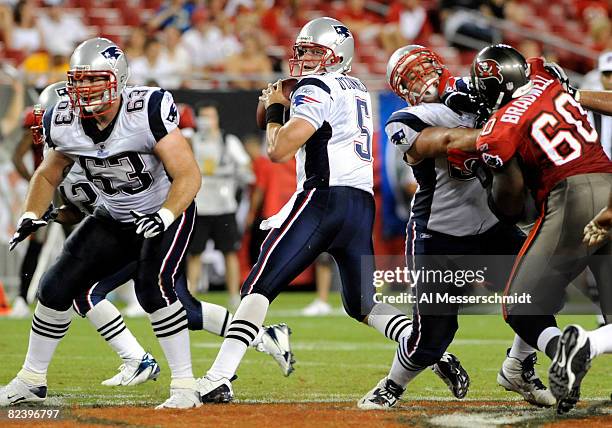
<point x="288" y="85"/>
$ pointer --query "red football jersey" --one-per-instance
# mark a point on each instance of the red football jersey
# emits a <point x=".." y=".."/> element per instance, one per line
<point x="549" y="130"/>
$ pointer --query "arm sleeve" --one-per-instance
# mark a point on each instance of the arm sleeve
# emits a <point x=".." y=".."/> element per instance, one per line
<point x="498" y="142"/>
<point x="311" y="101"/>
<point x="163" y="114"/>
<point x="403" y="128"/>
<point x="47" y="128"/>
<point x="236" y="150"/>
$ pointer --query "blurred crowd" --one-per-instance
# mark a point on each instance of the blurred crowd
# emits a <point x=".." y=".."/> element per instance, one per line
<point x="240" y="43"/>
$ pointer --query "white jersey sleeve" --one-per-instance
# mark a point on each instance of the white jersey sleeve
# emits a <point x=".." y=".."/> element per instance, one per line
<point x="162" y="112"/>
<point x="311" y="100"/>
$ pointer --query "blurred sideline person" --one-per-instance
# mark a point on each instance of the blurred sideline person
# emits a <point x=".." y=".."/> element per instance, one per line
<point x="225" y="166"/>
<point x="332" y="210"/>
<point x="449" y="217"/>
<point x="602" y="122"/>
<point x="35" y="243"/>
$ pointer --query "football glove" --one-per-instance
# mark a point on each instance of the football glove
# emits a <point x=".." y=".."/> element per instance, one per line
<point x="51" y="214"/>
<point x="557" y="71"/>
<point x="598" y="230"/>
<point x="27" y="224"/>
<point x="150" y="225"/>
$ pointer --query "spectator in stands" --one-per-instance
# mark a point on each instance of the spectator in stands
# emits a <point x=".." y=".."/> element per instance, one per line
<point x="134" y="46"/>
<point x="203" y="42"/>
<point x="175" y="13"/>
<point x="225" y="166"/>
<point x="252" y="63"/>
<point x="406" y="23"/>
<point x="25" y="35"/>
<point x="176" y="54"/>
<point x="600" y="31"/>
<point x="42" y="68"/>
<point x="154" y="65"/>
<point x="233" y="7"/>
<point x="365" y="25"/>
<point x="10" y="121"/>
<point x="61" y="30"/>
<point x="530" y="48"/>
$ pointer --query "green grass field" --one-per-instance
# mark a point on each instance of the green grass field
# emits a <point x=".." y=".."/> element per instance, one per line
<point x="337" y="360"/>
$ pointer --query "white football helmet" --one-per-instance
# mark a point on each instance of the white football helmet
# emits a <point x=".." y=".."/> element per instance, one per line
<point x="48" y="98"/>
<point x="414" y="72"/>
<point x="334" y="41"/>
<point x="98" y="73"/>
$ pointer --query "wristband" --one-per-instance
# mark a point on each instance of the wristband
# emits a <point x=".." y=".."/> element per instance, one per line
<point x="275" y="113"/>
<point x="167" y="217"/>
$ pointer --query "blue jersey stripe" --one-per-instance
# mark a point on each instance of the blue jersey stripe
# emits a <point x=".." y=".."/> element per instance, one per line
<point x="156" y="123"/>
<point x="408" y="119"/>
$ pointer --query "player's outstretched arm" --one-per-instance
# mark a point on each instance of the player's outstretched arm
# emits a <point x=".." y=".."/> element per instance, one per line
<point x="598" y="101"/>
<point x="506" y="196"/>
<point x="45" y="180"/>
<point x="40" y="193"/>
<point x="22" y="148"/>
<point x="435" y="142"/>
<point x="176" y="155"/>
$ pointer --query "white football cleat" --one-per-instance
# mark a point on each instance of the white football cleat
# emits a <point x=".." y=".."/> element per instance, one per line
<point x="134" y="372"/>
<point x="520" y="376"/>
<point x="275" y="342"/>
<point x="382" y="397"/>
<point x="317" y="308"/>
<point x="20" y="309"/>
<point x="215" y="391"/>
<point x="183" y="395"/>
<point x="18" y="391"/>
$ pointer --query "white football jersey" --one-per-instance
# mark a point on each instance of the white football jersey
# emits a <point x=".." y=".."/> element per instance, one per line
<point x="78" y="191"/>
<point x="447" y="200"/>
<point x="119" y="160"/>
<point x="339" y="153"/>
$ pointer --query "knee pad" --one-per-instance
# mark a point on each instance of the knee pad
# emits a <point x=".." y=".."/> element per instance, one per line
<point x="52" y="295"/>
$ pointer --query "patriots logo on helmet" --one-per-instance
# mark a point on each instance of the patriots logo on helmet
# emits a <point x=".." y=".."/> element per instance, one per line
<point x="62" y="92"/>
<point x="112" y="53"/>
<point x="489" y="68"/>
<point x="298" y="100"/>
<point x="343" y="32"/>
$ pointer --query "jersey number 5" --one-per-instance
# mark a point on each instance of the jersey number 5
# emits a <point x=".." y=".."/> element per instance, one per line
<point x="563" y="145"/>
<point x="363" y="146"/>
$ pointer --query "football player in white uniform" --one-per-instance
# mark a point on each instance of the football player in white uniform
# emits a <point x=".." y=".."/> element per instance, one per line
<point x="330" y="134"/>
<point x="449" y="216"/>
<point x="127" y="143"/>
